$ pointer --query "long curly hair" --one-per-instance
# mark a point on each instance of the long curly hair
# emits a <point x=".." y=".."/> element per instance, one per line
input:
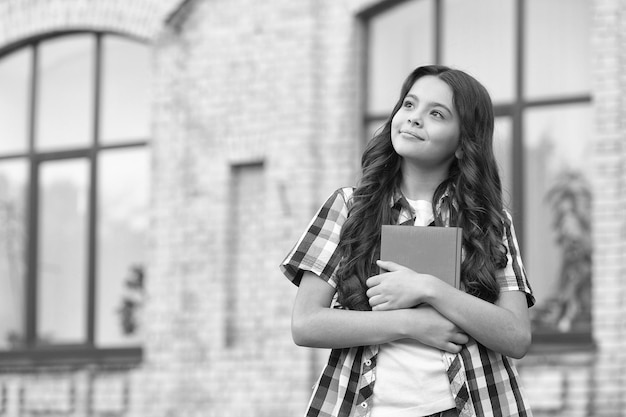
<point x="473" y="186"/>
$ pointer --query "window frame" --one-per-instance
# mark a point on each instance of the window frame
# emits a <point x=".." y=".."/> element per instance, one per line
<point x="514" y="110"/>
<point x="32" y="354"/>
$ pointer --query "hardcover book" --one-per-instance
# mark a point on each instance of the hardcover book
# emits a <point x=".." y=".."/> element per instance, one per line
<point x="425" y="249"/>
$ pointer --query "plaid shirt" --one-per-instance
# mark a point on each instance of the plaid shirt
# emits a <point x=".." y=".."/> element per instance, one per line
<point x="483" y="382"/>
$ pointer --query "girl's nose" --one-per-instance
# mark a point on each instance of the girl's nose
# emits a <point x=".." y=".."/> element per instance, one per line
<point x="414" y="119"/>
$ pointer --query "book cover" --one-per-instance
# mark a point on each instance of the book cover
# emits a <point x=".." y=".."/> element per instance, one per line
<point x="425" y="249"/>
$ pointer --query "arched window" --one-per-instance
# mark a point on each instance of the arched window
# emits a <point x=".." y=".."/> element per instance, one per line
<point x="538" y="75"/>
<point x="74" y="125"/>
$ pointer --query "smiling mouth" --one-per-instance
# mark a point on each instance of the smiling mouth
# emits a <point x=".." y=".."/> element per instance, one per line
<point x="411" y="134"/>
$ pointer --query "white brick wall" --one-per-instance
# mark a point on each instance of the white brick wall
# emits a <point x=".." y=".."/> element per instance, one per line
<point x="609" y="32"/>
<point x="241" y="94"/>
<point x="22" y="19"/>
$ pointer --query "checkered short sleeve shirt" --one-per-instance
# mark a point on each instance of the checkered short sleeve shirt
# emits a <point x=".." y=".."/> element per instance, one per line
<point x="484" y="383"/>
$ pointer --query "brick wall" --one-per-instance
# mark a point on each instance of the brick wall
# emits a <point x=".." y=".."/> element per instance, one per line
<point x="22" y="19"/>
<point x="609" y="31"/>
<point x="228" y="96"/>
<point x="261" y="109"/>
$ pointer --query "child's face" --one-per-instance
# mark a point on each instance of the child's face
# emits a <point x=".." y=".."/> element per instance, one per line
<point x="426" y="129"/>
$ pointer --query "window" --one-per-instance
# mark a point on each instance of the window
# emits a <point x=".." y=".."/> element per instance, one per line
<point x="73" y="196"/>
<point x="542" y="127"/>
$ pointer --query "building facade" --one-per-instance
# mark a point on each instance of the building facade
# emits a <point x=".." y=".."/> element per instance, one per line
<point x="159" y="158"/>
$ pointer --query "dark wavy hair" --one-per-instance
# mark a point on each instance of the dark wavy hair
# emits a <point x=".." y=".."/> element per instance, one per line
<point x="473" y="184"/>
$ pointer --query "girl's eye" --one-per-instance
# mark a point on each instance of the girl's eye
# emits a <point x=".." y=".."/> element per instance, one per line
<point x="408" y="104"/>
<point x="437" y="114"/>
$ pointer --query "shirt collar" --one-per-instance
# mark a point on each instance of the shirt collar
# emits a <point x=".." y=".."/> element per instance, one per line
<point x="403" y="213"/>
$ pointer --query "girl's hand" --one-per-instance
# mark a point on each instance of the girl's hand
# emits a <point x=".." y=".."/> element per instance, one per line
<point x="401" y="287"/>
<point x="429" y="327"/>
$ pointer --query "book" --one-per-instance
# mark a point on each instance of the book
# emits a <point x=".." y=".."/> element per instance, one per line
<point x="425" y="249"/>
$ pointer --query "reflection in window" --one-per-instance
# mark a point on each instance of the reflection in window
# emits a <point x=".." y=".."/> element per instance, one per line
<point x="13" y="192"/>
<point x="66" y="91"/>
<point x="14" y="101"/>
<point x="558" y="207"/>
<point x="63" y="197"/>
<point x="122" y="225"/>
<point x="485" y="50"/>
<point x="401" y="39"/>
<point x="125" y="107"/>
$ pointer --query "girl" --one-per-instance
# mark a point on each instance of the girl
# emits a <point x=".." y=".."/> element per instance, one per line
<point x="405" y="343"/>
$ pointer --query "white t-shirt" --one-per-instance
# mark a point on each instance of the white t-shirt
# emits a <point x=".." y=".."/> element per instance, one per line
<point x="411" y="378"/>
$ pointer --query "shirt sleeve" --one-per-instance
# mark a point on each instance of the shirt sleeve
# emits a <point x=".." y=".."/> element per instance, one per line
<point x="316" y="250"/>
<point x="513" y="276"/>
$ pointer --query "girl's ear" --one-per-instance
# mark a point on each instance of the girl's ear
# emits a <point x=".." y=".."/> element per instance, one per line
<point x="458" y="153"/>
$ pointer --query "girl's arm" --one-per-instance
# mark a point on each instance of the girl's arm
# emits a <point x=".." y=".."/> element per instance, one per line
<point x="315" y="324"/>
<point x="503" y="327"/>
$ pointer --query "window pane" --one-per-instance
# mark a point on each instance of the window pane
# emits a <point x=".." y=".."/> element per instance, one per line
<point x="65" y="96"/>
<point x="122" y="227"/>
<point x="13" y="209"/>
<point x="15" y="74"/>
<point x="503" y="149"/>
<point x="478" y="38"/>
<point x="557" y="52"/>
<point x="557" y="207"/>
<point x="372" y="129"/>
<point x="62" y="246"/>
<point x="125" y="81"/>
<point x="401" y="39"/>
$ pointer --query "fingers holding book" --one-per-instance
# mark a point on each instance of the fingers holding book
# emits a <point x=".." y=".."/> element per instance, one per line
<point x="398" y="288"/>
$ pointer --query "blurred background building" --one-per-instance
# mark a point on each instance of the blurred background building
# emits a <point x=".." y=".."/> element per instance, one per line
<point x="158" y="158"/>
